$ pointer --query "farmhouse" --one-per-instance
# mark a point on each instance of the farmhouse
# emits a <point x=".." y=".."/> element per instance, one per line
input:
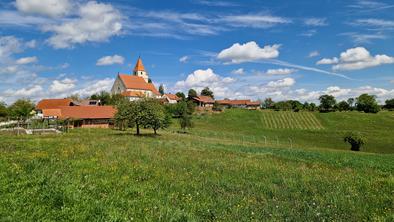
<point x="246" y="104"/>
<point x="171" y="98"/>
<point x="48" y="107"/>
<point x="88" y="116"/>
<point x="135" y="86"/>
<point x="204" y="102"/>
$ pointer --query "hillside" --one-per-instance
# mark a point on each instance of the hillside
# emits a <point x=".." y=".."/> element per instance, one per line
<point x="217" y="172"/>
<point x="302" y="129"/>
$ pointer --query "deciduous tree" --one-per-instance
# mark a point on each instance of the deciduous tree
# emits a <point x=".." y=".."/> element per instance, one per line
<point x="22" y="108"/>
<point x="327" y="103"/>
<point x="207" y="92"/>
<point x="367" y="103"/>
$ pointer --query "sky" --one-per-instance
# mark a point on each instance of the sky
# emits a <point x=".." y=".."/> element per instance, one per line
<point x="240" y="49"/>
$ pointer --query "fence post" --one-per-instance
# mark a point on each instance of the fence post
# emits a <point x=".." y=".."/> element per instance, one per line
<point x="265" y="140"/>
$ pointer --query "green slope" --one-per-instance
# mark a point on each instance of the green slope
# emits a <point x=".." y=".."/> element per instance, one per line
<point x="302" y="129"/>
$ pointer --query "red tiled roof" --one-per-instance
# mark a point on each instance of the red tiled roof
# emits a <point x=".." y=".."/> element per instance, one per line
<point x="172" y="96"/>
<point x="238" y="102"/>
<point x="137" y="82"/>
<point x="87" y="112"/>
<point x="204" y="99"/>
<point x="132" y="94"/>
<point x="139" y="66"/>
<point x="256" y="103"/>
<point x="51" y="112"/>
<point x="53" y="103"/>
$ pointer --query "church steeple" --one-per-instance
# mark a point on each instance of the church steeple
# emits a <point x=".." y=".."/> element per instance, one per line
<point x="139" y="70"/>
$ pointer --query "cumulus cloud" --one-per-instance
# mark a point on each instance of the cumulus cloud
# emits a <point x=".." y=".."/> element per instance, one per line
<point x="62" y="86"/>
<point x="200" y="79"/>
<point x="286" y="82"/>
<point x="248" y="52"/>
<point x="239" y="71"/>
<point x="27" y="92"/>
<point x="284" y="71"/>
<point x="95" y="86"/>
<point x="26" y="60"/>
<point x="184" y="59"/>
<point x="315" y="22"/>
<point x="326" y="61"/>
<point x="110" y="60"/>
<point x="97" y="22"/>
<point x="51" y="8"/>
<point x="357" y="58"/>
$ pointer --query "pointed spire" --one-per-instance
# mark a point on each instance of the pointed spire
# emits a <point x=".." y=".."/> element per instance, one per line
<point x="139" y="66"/>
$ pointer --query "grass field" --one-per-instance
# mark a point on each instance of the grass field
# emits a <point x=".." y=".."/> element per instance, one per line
<point x="301" y="130"/>
<point x="216" y="172"/>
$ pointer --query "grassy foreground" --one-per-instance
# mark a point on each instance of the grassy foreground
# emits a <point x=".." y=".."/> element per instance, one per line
<point x="107" y="175"/>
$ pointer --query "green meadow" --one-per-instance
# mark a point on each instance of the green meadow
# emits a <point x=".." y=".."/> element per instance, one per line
<point x="238" y="165"/>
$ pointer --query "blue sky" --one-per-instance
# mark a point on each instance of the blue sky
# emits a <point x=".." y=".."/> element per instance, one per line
<point x="240" y="49"/>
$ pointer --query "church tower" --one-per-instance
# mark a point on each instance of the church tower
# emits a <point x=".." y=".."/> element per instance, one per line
<point x="139" y="70"/>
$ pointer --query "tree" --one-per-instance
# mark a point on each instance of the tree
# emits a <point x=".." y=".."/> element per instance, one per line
<point x="389" y="104"/>
<point x="207" y="92"/>
<point x="103" y="96"/>
<point x="217" y="107"/>
<point x="156" y="117"/>
<point x="75" y="97"/>
<point x="350" y="101"/>
<point x="343" y="106"/>
<point x="185" y="115"/>
<point x="181" y="95"/>
<point x="3" y="110"/>
<point x="161" y="89"/>
<point x="327" y="103"/>
<point x="22" y="108"/>
<point x="146" y="113"/>
<point x="367" y="103"/>
<point x="312" y="107"/>
<point x="116" y="99"/>
<point x="356" y="140"/>
<point x="192" y="93"/>
<point x="268" y="103"/>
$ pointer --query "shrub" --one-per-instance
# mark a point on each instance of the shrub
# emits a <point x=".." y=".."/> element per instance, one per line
<point x="356" y="140"/>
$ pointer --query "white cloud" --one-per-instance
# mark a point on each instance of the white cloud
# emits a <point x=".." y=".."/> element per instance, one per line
<point x="200" y="79"/>
<point x="248" y="52"/>
<point x="110" y="60"/>
<point x="97" y="22"/>
<point x="95" y="86"/>
<point x="24" y="92"/>
<point x="284" y="71"/>
<point x="326" y="61"/>
<point x="316" y="22"/>
<point x="239" y="71"/>
<point x="313" y="54"/>
<point x="357" y="58"/>
<point x="184" y="59"/>
<point x="26" y="60"/>
<point x="286" y="82"/>
<point x="309" y="33"/>
<point x="52" y="8"/>
<point x="62" y="86"/>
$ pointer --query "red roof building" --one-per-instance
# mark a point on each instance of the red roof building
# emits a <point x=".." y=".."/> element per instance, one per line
<point x="136" y="85"/>
<point x="53" y="103"/>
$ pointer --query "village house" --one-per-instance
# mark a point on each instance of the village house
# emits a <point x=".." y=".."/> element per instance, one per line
<point x="88" y="116"/>
<point x="47" y="108"/>
<point x="135" y="86"/>
<point x="203" y="102"/>
<point x="171" y="98"/>
<point x="246" y="103"/>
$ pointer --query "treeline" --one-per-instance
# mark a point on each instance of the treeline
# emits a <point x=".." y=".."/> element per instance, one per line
<point x="328" y="103"/>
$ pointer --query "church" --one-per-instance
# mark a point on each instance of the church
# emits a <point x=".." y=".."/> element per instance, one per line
<point x="136" y="85"/>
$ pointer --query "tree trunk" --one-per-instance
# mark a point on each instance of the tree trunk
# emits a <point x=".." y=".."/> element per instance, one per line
<point x="138" y="129"/>
<point x="154" y="129"/>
